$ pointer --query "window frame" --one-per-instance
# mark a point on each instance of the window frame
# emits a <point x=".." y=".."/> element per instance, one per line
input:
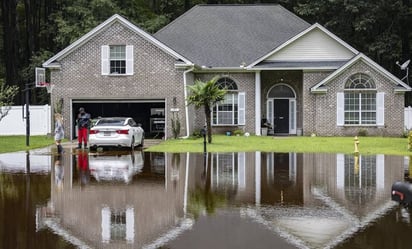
<point x="360" y="104"/>
<point x="106" y="60"/>
<point x="234" y="99"/>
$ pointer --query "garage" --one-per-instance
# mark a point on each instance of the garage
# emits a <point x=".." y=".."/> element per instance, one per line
<point x="149" y="113"/>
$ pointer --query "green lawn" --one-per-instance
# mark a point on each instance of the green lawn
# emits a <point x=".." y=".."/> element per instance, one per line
<point x="18" y="143"/>
<point x="221" y="143"/>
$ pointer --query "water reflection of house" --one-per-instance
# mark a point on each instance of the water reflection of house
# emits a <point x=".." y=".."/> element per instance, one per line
<point x="117" y="215"/>
<point x="313" y="200"/>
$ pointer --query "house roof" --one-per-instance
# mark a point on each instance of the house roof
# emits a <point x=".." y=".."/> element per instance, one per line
<point x="53" y="62"/>
<point x="230" y="35"/>
<point x="399" y="85"/>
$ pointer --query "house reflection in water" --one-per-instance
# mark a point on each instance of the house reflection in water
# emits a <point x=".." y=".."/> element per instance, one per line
<point x="312" y="200"/>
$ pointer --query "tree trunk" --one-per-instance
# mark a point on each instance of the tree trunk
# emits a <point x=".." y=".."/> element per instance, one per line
<point x="208" y="124"/>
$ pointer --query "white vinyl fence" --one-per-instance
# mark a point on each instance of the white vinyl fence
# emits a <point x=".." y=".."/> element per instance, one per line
<point x="15" y="123"/>
<point x="408" y="118"/>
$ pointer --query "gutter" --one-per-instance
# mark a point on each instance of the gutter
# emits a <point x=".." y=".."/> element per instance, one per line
<point x="185" y="93"/>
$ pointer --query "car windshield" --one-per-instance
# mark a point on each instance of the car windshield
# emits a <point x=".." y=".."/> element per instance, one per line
<point x="110" y="122"/>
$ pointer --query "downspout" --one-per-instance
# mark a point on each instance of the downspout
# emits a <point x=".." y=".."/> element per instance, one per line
<point x="185" y="93"/>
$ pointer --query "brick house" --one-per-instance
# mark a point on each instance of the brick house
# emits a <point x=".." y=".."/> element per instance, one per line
<point x="299" y="78"/>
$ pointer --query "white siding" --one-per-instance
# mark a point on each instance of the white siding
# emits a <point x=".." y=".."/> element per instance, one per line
<point x="314" y="46"/>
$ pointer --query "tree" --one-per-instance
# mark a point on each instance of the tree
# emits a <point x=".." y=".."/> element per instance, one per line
<point x="7" y="94"/>
<point x="206" y="94"/>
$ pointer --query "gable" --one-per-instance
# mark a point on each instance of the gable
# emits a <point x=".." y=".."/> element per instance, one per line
<point x="115" y="19"/>
<point x="315" y="45"/>
<point x="398" y="85"/>
<point x="313" y="48"/>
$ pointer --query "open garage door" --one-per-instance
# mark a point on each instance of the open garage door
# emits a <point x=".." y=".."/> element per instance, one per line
<point x="149" y="113"/>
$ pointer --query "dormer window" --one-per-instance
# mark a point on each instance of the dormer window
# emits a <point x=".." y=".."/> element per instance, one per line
<point x="117" y="60"/>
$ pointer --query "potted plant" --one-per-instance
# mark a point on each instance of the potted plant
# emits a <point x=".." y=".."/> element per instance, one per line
<point x="265" y="126"/>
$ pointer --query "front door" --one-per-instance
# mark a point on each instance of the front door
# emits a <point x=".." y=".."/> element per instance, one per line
<point x="281" y="116"/>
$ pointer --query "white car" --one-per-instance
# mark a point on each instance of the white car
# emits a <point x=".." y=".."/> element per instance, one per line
<point x="117" y="166"/>
<point x="116" y="132"/>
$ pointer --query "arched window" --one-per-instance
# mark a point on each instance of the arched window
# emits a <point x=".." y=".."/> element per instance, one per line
<point x="226" y="83"/>
<point x="226" y="112"/>
<point x="281" y="91"/>
<point x="360" y="100"/>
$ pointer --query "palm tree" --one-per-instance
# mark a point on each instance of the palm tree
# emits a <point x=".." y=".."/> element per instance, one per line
<point x="206" y="94"/>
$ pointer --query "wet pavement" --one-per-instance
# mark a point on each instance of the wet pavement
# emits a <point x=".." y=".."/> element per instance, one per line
<point x="123" y="199"/>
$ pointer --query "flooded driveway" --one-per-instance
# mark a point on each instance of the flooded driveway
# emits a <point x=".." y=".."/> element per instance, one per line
<point x="195" y="200"/>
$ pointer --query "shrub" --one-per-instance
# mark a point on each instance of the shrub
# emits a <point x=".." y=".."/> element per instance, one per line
<point x="410" y="141"/>
<point x="362" y="133"/>
<point x="197" y="133"/>
<point x="238" y="132"/>
<point x="175" y="125"/>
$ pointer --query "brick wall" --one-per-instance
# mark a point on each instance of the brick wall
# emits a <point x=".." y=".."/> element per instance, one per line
<point x="155" y="76"/>
<point x="245" y="83"/>
<point x="320" y="109"/>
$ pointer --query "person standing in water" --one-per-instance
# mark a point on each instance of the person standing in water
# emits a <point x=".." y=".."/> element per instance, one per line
<point x="58" y="131"/>
<point x="83" y="122"/>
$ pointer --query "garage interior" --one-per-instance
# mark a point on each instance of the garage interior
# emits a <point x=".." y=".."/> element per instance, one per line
<point x="150" y="114"/>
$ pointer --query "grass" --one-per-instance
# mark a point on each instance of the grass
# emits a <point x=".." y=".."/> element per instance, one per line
<point x="18" y="143"/>
<point x="221" y="143"/>
<point x="346" y="145"/>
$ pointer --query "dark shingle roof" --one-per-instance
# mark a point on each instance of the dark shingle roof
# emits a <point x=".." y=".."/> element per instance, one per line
<point x="227" y="35"/>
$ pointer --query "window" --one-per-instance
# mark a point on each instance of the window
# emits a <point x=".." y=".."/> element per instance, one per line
<point x="117" y="60"/>
<point x="360" y="103"/>
<point x="117" y="225"/>
<point x="231" y="110"/>
<point x="228" y="171"/>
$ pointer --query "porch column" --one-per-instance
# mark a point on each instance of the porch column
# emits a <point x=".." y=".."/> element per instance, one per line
<point x="257" y="103"/>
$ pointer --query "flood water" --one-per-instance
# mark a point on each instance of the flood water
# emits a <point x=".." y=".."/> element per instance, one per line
<point x="195" y="200"/>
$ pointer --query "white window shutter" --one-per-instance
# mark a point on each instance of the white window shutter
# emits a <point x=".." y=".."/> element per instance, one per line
<point x="242" y="109"/>
<point x="105" y="60"/>
<point x="129" y="60"/>
<point x="340" y="109"/>
<point x="340" y="171"/>
<point x="380" y="109"/>
<point x="241" y="170"/>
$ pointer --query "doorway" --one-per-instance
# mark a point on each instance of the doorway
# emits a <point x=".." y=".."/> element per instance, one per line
<point x="281" y="115"/>
<point x="281" y="109"/>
